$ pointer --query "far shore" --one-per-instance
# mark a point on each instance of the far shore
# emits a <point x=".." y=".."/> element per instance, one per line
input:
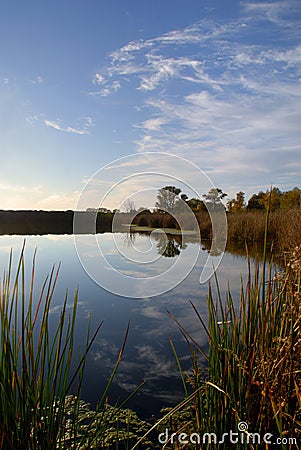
<point x="245" y="227"/>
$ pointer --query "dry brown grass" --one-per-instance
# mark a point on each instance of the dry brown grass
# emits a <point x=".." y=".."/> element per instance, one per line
<point x="251" y="375"/>
<point x="246" y="227"/>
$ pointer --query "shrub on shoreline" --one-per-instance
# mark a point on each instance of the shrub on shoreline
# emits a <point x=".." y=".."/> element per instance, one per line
<point x="245" y="227"/>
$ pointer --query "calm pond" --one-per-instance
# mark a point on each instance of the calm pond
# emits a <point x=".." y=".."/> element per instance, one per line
<point x="148" y="355"/>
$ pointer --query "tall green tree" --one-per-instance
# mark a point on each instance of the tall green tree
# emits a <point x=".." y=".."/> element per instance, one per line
<point x="257" y="201"/>
<point x="214" y="198"/>
<point x="291" y="199"/>
<point x="167" y="199"/>
<point x="273" y="196"/>
<point x="238" y="204"/>
<point x="196" y="205"/>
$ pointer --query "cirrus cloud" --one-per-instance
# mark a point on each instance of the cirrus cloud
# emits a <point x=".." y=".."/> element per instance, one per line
<point x="223" y="93"/>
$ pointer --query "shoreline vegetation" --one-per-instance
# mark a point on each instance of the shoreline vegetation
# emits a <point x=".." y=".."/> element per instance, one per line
<point x="244" y="228"/>
<point x="248" y="382"/>
<point x="246" y="221"/>
<point x="246" y="386"/>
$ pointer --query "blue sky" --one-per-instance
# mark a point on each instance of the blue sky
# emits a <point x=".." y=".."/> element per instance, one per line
<point x="83" y="83"/>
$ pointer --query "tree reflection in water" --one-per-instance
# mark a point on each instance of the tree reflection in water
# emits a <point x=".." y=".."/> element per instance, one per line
<point x="168" y="246"/>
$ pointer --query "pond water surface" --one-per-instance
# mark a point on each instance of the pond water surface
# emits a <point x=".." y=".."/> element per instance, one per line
<point x="148" y="355"/>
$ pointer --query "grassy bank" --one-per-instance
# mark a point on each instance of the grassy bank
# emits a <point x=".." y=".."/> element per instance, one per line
<point x="245" y="227"/>
<point x="283" y="228"/>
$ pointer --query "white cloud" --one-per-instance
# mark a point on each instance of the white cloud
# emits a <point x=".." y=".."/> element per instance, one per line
<point x="86" y="123"/>
<point x="98" y="79"/>
<point x="34" y="118"/>
<point x="153" y="124"/>
<point x="18" y="197"/>
<point x="162" y="69"/>
<point x="124" y="53"/>
<point x="225" y="94"/>
<point x="292" y="56"/>
<point x="14" y="188"/>
<point x="57" y="126"/>
<point x="145" y="59"/>
<point x="37" y="80"/>
<point x="107" y="89"/>
<point x="274" y="11"/>
<point x="58" y="201"/>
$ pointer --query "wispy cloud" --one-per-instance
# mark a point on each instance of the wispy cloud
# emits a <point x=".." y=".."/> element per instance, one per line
<point x="274" y="11"/>
<point x="58" y="201"/>
<point x="98" y="79"/>
<point x="88" y="122"/>
<point x="37" y="80"/>
<point x="217" y="94"/>
<point x="57" y="126"/>
<point x="147" y="63"/>
<point x="107" y="89"/>
<point x="17" y="196"/>
<point x="16" y="188"/>
<point x="83" y="129"/>
<point x="153" y="124"/>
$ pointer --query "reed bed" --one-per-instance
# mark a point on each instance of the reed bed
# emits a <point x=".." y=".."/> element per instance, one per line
<point x="35" y="362"/>
<point x="249" y="226"/>
<point x="246" y="391"/>
<point x="254" y="364"/>
<point x="39" y="370"/>
<point x="251" y="375"/>
<point x="250" y="382"/>
<point x="244" y="227"/>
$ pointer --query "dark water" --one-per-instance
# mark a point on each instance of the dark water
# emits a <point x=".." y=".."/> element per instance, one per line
<point x="148" y="355"/>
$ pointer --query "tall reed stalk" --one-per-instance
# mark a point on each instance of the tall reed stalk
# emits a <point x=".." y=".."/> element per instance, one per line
<point x="35" y="361"/>
<point x="253" y="369"/>
<point x="250" y="381"/>
<point x="37" y="373"/>
<point x="254" y="364"/>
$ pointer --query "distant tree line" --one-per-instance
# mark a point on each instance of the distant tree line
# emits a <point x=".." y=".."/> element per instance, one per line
<point x="275" y="198"/>
<point x="246" y="219"/>
<point x="170" y="200"/>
